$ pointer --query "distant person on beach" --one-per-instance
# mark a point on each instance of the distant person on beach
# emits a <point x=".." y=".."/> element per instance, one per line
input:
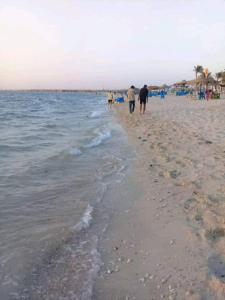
<point x="208" y="94"/>
<point x="143" y="97"/>
<point x="131" y="98"/>
<point x="201" y="95"/>
<point x="162" y="94"/>
<point x="110" y="99"/>
<point x="114" y="97"/>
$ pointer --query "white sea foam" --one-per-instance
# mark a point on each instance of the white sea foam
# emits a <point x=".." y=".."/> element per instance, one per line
<point x="100" y="138"/>
<point x="96" y="114"/>
<point x="75" y="151"/>
<point x="92" y="274"/>
<point x="85" y="220"/>
<point x="96" y="141"/>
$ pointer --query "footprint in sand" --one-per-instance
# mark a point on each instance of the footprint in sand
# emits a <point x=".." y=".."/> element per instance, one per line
<point x="190" y="203"/>
<point x="198" y="185"/>
<point x="216" y="265"/>
<point x="214" y="234"/>
<point x="174" y="174"/>
<point x="216" y="198"/>
<point x="198" y="217"/>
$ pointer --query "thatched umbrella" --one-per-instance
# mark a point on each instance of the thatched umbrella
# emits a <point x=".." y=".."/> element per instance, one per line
<point x="182" y="83"/>
<point x="153" y="87"/>
<point x="164" y="86"/>
<point x="191" y="82"/>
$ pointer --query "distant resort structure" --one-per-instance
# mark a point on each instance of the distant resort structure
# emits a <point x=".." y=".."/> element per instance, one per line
<point x="205" y="86"/>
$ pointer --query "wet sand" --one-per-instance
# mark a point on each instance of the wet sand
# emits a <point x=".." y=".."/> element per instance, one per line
<point x="166" y="239"/>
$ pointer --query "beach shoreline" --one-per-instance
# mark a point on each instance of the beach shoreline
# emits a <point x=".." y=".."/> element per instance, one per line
<point x="165" y="239"/>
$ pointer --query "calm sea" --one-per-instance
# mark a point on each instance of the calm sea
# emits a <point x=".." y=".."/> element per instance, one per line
<point x="59" y="153"/>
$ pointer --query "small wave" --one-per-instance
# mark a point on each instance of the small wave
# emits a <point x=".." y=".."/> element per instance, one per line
<point x="16" y="148"/>
<point x="96" y="114"/>
<point x="102" y="136"/>
<point x="50" y="125"/>
<point x="85" y="220"/>
<point x="99" y="139"/>
<point x="65" y="154"/>
<point x="111" y="165"/>
<point x="75" y="152"/>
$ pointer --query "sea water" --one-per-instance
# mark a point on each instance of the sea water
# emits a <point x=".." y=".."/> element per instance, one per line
<point x="59" y="153"/>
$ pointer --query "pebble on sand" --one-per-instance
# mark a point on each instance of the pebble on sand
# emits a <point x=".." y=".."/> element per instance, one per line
<point x="164" y="280"/>
<point x="142" y="280"/>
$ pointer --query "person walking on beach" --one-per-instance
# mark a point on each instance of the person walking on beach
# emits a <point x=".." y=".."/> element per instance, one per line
<point x="143" y="97"/>
<point x="162" y="94"/>
<point x="131" y="98"/>
<point x="110" y="99"/>
<point x="201" y="95"/>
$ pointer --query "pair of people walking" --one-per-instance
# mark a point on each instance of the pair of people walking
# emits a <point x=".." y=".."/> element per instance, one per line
<point x="142" y="97"/>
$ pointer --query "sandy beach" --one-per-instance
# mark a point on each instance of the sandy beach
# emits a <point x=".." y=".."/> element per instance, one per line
<point x="166" y="237"/>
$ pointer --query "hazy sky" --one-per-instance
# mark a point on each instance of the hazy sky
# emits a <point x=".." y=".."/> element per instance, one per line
<point x="110" y="44"/>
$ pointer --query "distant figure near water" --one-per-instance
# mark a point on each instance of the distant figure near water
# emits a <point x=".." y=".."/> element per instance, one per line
<point x="131" y="98"/>
<point x="143" y="97"/>
<point x="110" y="99"/>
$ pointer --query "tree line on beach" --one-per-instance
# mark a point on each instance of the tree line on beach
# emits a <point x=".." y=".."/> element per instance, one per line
<point x="204" y="77"/>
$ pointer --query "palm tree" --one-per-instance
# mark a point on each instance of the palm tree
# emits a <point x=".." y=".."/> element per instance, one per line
<point x="223" y="77"/>
<point x="197" y="69"/>
<point x="219" y="76"/>
<point x="207" y="78"/>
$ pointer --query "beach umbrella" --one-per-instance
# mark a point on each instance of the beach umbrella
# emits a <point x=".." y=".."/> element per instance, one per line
<point x="153" y="87"/>
<point x="191" y="82"/>
<point x="181" y="83"/>
<point x="164" y="86"/>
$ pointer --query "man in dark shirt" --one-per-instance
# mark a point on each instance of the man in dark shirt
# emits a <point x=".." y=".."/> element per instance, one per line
<point x="143" y="97"/>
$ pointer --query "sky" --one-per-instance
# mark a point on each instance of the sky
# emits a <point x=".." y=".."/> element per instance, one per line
<point x="95" y="44"/>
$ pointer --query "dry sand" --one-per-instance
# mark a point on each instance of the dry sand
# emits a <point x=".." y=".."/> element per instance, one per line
<point x="166" y="239"/>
